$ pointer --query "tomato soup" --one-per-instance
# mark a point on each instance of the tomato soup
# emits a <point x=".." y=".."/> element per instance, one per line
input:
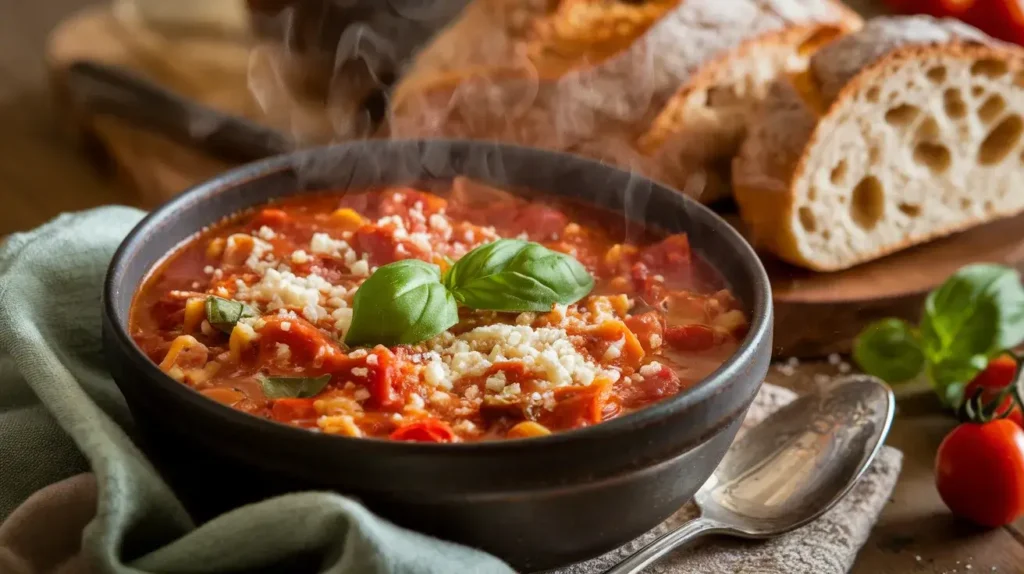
<point x="253" y="312"/>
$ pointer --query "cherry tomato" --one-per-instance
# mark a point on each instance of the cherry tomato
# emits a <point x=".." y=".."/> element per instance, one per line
<point x="428" y="430"/>
<point x="979" y="472"/>
<point x="1002" y="19"/>
<point x="997" y="375"/>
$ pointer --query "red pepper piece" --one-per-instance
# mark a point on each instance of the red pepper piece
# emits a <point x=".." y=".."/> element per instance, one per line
<point x="428" y="430"/>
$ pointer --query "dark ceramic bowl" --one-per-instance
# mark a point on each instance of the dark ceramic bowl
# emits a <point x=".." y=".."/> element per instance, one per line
<point x="536" y="503"/>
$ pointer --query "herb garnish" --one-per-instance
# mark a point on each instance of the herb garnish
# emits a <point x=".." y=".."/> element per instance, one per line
<point x="409" y="301"/>
<point x="223" y="314"/>
<point x="977" y="314"/>
<point x="292" y="387"/>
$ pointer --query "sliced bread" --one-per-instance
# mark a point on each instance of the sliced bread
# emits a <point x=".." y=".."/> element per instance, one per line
<point x="693" y="139"/>
<point x="594" y="108"/>
<point x="907" y="130"/>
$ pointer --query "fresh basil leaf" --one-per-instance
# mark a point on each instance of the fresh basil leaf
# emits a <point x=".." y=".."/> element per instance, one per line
<point x="951" y="376"/>
<point x="516" y="275"/>
<point x="977" y="311"/>
<point x="401" y="303"/>
<point x="293" y="387"/>
<point x="223" y="314"/>
<point x="889" y="349"/>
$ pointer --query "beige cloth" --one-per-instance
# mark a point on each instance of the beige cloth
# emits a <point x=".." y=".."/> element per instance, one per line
<point x="42" y="536"/>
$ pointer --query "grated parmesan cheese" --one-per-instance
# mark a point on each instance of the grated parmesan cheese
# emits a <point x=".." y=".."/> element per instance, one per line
<point x="548" y="353"/>
<point x="651" y="369"/>
<point x="283" y="352"/>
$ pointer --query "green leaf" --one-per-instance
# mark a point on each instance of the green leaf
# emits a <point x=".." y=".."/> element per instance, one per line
<point x="950" y="377"/>
<point x="293" y="387"/>
<point x="889" y="349"/>
<point x="976" y="314"/>
<point x="516" y="275"/>
<point x="223" y="314"/>
<point x="979" y="310"/>
<point x="401" y="303"/>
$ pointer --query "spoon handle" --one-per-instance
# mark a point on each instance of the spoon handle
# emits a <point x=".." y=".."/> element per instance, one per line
<point x="664" y="544"/>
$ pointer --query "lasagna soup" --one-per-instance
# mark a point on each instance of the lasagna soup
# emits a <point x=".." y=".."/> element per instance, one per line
<point x="253" y="313"/>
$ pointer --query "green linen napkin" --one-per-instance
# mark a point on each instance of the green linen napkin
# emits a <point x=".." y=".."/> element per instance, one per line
<point x="60" y="414"/>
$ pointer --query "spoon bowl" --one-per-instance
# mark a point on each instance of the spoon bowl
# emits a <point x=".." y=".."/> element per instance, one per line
<point x="790" y="469"/>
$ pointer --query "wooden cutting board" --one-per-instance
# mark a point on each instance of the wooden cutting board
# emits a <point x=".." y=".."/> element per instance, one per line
<point x="816" y="313"/>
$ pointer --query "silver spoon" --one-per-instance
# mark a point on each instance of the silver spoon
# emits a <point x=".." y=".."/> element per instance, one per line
<point x="788" y="470"/>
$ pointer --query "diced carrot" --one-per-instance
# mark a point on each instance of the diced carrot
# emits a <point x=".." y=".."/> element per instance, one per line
<point x="288" y="410"/>
<point x="224" y="395"/>
<point x="649" y="329"/>
<point x="613" y="331"/>
<point x="527" y="429"/>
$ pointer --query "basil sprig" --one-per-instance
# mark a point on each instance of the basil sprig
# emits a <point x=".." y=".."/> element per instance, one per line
<point x="409" y="301"/>
<point x="223" y="314"/>
<point x="401" y="303"/>
<point x="975" y="315"/>
<point x="292" y="387"/>
<point x="516" y="275"/>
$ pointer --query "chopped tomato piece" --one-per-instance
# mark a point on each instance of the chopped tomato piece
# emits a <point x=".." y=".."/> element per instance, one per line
<point x="378" y="243"/>
<point x="650" y="285"/>
<point x="690" y="337"/>
<point x="540" y="222"/>
<point x="309" y="346"/>
<point x="402" y="200"/>
<point x="578" y="406"/>
<point x="272" y="218"/>
<point x="428" y="430"/>
<point x="648" y="327"/>
<point x="383" y="379"/>
<point x="670" y="258"/>
<point x="291" y="410"/>
<point x="615" y="333"/>
<point x="652" y="388"/>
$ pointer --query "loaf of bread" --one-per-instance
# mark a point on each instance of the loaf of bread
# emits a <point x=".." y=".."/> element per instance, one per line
<point x="590" y="76"/>
<point x="907" y="130"/>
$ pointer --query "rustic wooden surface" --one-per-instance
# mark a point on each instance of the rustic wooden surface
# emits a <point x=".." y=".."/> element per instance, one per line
<point x="43" y="172"/>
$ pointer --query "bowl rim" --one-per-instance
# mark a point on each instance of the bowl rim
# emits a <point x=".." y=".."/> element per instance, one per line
<point x="758" y="335"/>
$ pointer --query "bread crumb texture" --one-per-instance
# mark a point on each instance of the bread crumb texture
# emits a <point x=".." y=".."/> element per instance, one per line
<point x="907" y="130"/>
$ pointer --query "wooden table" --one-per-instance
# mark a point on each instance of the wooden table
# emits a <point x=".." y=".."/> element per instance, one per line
<point x="44" y="172"/>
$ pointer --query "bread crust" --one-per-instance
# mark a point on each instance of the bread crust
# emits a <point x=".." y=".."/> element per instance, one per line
<point x="768" y="168"/>
<point x="683" y="145"/>
<point x="600" y="109"/>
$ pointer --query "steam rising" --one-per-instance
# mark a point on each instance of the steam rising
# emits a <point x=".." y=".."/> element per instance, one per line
<point x="592" y="109"/>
